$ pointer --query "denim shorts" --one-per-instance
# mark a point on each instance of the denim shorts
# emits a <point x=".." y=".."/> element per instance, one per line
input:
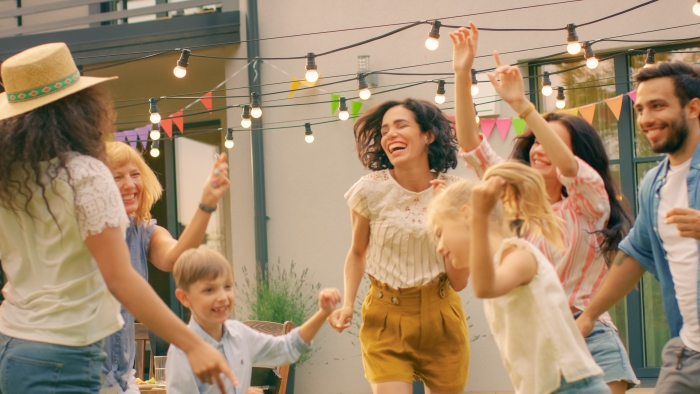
<point x="28" y="367"/>
<point x="592" y="385"/>
<point x="608" y="352"/>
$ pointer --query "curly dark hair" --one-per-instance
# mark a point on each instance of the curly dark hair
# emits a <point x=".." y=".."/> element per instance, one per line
<point x="442" y="152"/>
<point x="587" y="146"/>
<point x="75" y="123"/>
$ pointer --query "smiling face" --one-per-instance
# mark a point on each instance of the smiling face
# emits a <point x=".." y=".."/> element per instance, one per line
<point x="452" y="237"/>
<point x="128" y="179"/>
<point x="210" y="301"/>
<point x="402" y="139"/>
<point x="660" y="115"/>
<point x="539" y="159"/>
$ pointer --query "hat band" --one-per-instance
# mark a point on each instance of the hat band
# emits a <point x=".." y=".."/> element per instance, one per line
<point x="44" y="90"/>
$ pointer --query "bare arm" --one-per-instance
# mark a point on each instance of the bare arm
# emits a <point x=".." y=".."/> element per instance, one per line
<point x="464" y="49"/>
<point x="327" y="300"/>
<point x="459" y="277"/>
<point x="131" y="290"/>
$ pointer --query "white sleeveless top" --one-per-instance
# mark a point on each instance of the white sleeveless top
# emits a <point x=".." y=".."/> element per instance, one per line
<point x="55" y="292"/>
<point x="535" y="331"/>
<point x="401" y="250"/>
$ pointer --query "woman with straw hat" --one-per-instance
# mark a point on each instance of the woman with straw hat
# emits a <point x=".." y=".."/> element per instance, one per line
<point x="62" y="226"/>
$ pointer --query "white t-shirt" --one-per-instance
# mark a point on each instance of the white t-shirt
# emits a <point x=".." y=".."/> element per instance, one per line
<point x="682" y="253"/>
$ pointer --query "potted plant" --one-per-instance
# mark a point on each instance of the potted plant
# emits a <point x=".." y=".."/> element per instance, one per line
<point x="278" y="296"/>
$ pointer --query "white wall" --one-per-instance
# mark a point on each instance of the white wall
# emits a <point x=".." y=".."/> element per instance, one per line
<point x="309" y="219"/>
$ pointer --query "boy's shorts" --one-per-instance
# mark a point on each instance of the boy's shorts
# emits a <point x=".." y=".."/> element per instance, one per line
<point x="415" y="333"/>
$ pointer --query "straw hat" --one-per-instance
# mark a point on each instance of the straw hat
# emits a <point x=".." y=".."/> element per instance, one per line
<point x="39" y="76"/>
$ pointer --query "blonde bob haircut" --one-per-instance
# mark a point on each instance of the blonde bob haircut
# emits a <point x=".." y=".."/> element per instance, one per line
<point x="524" y="206"/>
<point x="120" y="154"/>
<point x="200" y="264"/>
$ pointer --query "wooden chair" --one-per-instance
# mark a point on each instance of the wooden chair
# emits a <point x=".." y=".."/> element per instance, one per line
<point x="266" y="376"/>
<point x="141" y="336"/>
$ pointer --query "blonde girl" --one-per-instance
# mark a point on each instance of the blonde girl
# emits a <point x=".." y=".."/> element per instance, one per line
<point x="525" y="305"/>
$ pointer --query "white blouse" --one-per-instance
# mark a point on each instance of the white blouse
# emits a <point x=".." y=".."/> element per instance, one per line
<point x="535" y="331"/>
<point x="401" y="250"/>
<point x="55" y="292"/>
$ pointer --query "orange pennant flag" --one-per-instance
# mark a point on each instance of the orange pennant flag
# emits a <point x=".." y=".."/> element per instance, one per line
<point x="206" y="101"/>
<point x="572" y="111"/>
<point x="615" y="105"/>
<point x="167" y="125"/>
<point x="587" y="112"/>
<point x="293" y="87"/>
<point x="179" y="121"/>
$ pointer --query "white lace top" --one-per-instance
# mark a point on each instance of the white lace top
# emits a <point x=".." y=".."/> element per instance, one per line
<point x="401" y="250"/>
<point x="55" y="292"/>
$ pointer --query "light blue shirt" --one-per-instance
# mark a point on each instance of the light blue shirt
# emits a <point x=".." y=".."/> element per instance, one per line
<point x="243" y="347"/>
<point x="644" y="243"/>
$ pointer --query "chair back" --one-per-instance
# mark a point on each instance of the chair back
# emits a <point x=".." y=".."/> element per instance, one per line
<point x="275" y="329"/>
<point x="141" y="336"/>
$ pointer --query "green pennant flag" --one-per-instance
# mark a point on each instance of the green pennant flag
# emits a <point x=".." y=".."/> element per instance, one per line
<point x="335" y="103"/>
<point x="519" y="125"/>
<point x="355" y="108"/>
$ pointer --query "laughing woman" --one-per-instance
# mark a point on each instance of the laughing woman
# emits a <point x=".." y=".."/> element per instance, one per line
<point x="147" y="241"/>
<point x="413" y="325"/>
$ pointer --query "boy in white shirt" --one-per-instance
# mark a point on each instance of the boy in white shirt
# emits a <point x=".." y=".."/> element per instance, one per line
<point x="204" y="281"/>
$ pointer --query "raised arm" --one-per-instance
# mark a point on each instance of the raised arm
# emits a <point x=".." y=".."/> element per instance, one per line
<point x="464" y="45"/>
<point x="164" y="250"/>
<point x="512" y="91"/>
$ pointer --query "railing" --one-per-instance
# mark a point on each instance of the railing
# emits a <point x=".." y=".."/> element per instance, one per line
<point x="17" y="19"/>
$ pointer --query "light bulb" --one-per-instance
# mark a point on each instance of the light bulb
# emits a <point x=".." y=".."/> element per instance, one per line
<point x="256" y="112"/>
<point x="155" y="117"/>
<point x="180" y="72"/>
<point x="155" y="152"/>
<point x="477" y="119"/>
<point x="475" y="89"/>
<point x="308" y="134"/>
<point x="439" y="98"/>
<point x="696" y="8"/>
<point x="365" y="94"/>
<point x="228" y="144"/>
<point x="651" y="59"/>
<point x="245" y="117"/>
<point x="561" y="104"/>
<point x="155" y="135"/>
<point x="432" y="43"/>
<point x="312" y="75"/>
<point x="309" y="138"/>
<point x="229" y="138"/>
<point x="547" y="90"/>
<point x="343" y="107"/>
<point x="561" y="99"/>
<point x="573" y="47"/>
<point x="592" y="62"/>
<point x="246" y="122"/>
<point x="440" y="94"/>
<point x="343" y="115"/>
<point x="153" y="110"/>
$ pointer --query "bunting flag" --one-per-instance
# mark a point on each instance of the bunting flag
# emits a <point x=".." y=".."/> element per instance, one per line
<point x="588" y="112"/>
<point x="296" y="84"/>
<point x="487" y="125"/>
<point x="572" y="111"/>
<point x="142" y="133"/>
<point x="206" y="101"/>
<point x="119" y="136"/>
<point x="335" y="103"/>
<point x="355" y="108"/>
<point x="179" y="121"/>
<point x="167" y="125"/>
<point x="503" y="125"/>
<point x="633" y="95"/>
<point x="132" y="137"/>
<point x="615" y="105"/>
<point x="519" y="125"/>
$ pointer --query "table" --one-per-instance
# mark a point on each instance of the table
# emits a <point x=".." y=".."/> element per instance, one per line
<point x="154" y="391"/>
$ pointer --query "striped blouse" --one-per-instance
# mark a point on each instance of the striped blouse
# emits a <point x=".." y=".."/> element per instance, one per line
<point x="401" y="250"/>
<point x="580" y="267"/>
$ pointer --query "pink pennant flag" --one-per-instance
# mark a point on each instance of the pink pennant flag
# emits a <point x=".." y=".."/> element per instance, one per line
<point x="142" y="133"/>
<point x="503" y="127"/>
<point x="633" y="95"/>
<point x="206" y="101"/>
<point x="167" y="125"/>
<point x="119" y="136"/>
<point x="487" y="125"/>
<point x="132" y="137"/>
<point x="179" y="121"/>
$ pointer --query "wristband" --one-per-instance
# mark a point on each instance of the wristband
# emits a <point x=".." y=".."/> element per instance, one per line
<point x="527" y="111"/>
<point x="206" y="208"/>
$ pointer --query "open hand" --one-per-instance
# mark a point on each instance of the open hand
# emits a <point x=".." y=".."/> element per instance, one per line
<point x="328" y="299"/>
<point x="217" y="183"/>
<point x="340" y="318"/>
<point x="687" y="221"/>
<point x="510" y="87"/>
<point x="208" y="365"/>
<point x="485" y="195"/>
<point x="464" y="45"/>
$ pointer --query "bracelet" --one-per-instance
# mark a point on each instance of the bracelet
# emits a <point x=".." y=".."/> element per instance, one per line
<point x="527" y="111"/>
<point x="206" y="208"/>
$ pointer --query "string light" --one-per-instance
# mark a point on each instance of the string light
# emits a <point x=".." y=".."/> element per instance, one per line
<point x="696" y="8"/>
<point x="365" y="94"/>
<point x="477" y="115"/>
<point x="343" y="114"/>
<point x="255" y="110"/>
<point x="155" y="132"/>
<point x="573" y="46"/>
<point x="155" y="152"/>
<point x="475" y="84"/>
<point x="440" y="96"/>
<point x="589" y="55"/>
<point x="432" y="42"/>
<point x="561" y="100"/>
<point x="245" y="117"/>
<point x="181" y="69"/>
<point x="308" y="135"/>
<point x="546" y="85"/>
<point x="311" y="73"/>
<point x="650" y="60"/>
<point x="155" y="116"/>
<point x="229" y="139"/>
